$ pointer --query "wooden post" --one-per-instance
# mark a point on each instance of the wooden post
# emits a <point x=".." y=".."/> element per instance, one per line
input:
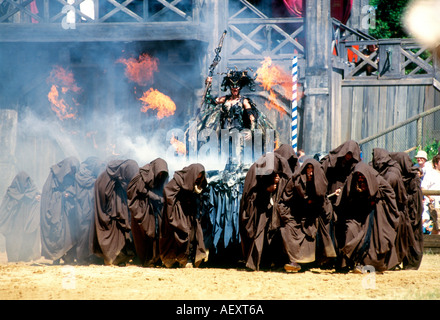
<point x="317" y="124"/>
<point x="8" y="140"/>
<point x="390" y="59"/>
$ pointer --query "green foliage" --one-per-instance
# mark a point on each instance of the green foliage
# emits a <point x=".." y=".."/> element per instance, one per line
<point x="389" y="19"/>
<point x="431" y="148"/>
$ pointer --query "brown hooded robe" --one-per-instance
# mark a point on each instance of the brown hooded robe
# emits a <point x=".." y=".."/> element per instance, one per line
<point x="288" y="153"/>
<point x="336" y="168"/>
<point x="306" y="216"/>
<point x="20" y="219"/>
<point x="260" y="219"/>
<point x="368" y="222"/>
<point x="181" y="239"/>
<point x="145" y="201"/>
<point x="112" y="233"/>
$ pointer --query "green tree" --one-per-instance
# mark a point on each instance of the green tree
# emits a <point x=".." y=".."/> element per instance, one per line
<point x="389" y="15"/>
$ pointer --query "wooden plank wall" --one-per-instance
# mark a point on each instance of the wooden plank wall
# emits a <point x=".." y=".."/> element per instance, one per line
<point x="362" y="109"/>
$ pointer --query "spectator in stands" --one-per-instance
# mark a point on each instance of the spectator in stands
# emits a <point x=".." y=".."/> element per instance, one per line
<point x="432" y="182"/>
<point x="422" y="158"/>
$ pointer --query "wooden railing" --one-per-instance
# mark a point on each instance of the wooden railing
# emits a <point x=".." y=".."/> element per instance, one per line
<point x="100" y="11"/>
<point x="256" y="35"/>
<point x="394" y="58"/>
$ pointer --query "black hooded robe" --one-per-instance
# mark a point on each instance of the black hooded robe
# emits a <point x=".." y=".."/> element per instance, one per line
<point x="370" y="222"/>
<point x="111" y="236"/>
<point x="181" y="239"/>
<point x="145" y="201"/>
<point x="288" y="153"/>
<point x="390" y="171"/>
<point x="412" y="183"/>
<point x="306" y="217"/>
<point x="336" y="168"/>
<point x="260" y="220"/>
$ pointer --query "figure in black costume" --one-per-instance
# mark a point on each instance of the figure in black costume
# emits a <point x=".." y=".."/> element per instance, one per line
<point x="237" y="112"/>
<point x="233" y="112"/>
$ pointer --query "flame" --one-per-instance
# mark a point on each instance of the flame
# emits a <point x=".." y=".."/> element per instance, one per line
<point x="178" y="145"/>
<point x="273" y="104"/>
<point x="59" y="77"/>
<point x="153" y="99"/>
<point x="140" y="70"/>
<point x="269" y="76"/>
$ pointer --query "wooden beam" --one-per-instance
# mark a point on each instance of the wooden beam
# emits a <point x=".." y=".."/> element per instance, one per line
<point x="373" y="81"/>
<point x="86" y="32"/>
<point x="317" y="110"/>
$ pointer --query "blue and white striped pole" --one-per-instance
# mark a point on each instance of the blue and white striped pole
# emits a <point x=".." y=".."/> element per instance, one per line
<point x="294" y="103"/>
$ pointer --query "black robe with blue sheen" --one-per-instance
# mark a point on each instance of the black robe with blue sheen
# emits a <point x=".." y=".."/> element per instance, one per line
<point x="181" y="238"/>
<point x="145" y="201"/>
<point x="111" y="234"/>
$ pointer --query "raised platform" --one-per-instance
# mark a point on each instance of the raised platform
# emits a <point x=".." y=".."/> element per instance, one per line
<point x="431" y="243"/>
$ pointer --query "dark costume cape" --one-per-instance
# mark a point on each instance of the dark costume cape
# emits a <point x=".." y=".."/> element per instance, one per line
<point x="307" y="216"/>
<point x="260" y="219"/>
<point x="181" y="233"/>
<point x="367" y="225"/>
<point x="112" y="233"/>
<point x="336" y="170"/>
<point x="225" y="190"/>
<point x="145" y="201"/>
<point x="58" y="211"/>
<point x="20" y="219"/>
<point x="411" y="181"/>
<point x="85" y="178"/>
<point x="390" y="171"/>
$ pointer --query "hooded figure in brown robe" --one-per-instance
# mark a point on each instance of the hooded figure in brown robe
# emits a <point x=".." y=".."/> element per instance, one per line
<point x="390" y="171"/>
<point x="306" y="216"/>
<point x="112" y="232"/>
<point x="20" y="219"/>
<point x="260" y="219"/>
<point x="288" y="153"/>
<point x="339" y="163"/>
<point x="181" y="239"/>
<point x="368" y="213"/>
<point x="85" y="178"/>
<point x="58" y="218"/>
<point x="145" y="201"/>
<point x="414" y="192"/>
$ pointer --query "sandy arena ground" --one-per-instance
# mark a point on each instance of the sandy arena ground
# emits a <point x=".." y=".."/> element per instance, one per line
<point x="43" y="281"/>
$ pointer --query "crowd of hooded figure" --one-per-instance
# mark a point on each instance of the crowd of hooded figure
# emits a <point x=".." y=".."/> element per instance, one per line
<point x="336" y="212"/>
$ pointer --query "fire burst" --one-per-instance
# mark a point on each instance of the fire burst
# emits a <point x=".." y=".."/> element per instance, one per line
<point x="60" y="78"/>
<point x="153" y="99"/>
<point x="179" y="146"/>
<point x="140" y="70"/>
<point x="270" y="76"/>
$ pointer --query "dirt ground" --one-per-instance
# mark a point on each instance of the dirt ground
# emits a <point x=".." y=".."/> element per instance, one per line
<point x="41" y="280"/>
